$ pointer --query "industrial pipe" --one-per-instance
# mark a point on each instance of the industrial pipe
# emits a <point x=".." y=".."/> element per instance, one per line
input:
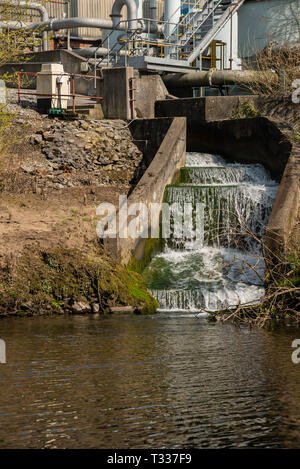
<point x="153" y="10"/>
<point x="31" y="6"/>
<point x="101" y="51"/>
<point x="172" y="15"/>
<point x="56" y="25"/>
<point x="218" y="78"/>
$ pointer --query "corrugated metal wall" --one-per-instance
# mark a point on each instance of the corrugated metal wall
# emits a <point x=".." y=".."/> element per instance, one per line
<point x="159" y="9"/>
<point x="90" y="9"/>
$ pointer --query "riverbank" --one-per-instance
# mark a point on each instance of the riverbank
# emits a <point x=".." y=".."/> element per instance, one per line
<point x="53" y="176"/>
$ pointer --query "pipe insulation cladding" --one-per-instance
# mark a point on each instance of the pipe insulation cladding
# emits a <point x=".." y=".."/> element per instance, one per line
<point x="172" y="15"/>
<point x="219" y="78"/>
<point x="132" y="14"/>
<point x="153" y="10"/>
<point x="131" y="24"/>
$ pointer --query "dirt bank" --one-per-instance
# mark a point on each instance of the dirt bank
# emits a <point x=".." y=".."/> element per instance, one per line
<point x="54" y="176"/>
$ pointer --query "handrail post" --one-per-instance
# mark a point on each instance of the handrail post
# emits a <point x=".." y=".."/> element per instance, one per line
<point x="73" y="93"/>
<point x="19" y="88"/>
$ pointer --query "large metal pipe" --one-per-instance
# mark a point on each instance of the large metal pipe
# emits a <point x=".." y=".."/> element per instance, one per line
<point x="99" y="51"/>
<point x="172" y="15"/>
<point x="56" y="25"/>
<point x="31" y="6"/>
<point x="153" y="10"/>
<point x="218" y="78"/>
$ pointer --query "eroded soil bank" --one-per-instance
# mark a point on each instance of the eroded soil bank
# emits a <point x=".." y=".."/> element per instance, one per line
<point x="53" y="177"/>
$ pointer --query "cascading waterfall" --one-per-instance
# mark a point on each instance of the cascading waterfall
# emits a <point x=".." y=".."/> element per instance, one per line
<point x="212" y="256"/>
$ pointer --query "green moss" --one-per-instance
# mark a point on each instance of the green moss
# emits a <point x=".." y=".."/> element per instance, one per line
<point x="246" y="111"/>
<point x="51" y="281"/>
<point x="184" y="175"/>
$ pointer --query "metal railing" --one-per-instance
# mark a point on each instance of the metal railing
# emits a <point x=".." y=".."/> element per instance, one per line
<point x="187" y="37"/>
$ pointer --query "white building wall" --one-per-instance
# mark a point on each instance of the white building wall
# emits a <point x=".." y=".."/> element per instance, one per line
<point x="267" y="20"/>
<point x="225" y="36"/>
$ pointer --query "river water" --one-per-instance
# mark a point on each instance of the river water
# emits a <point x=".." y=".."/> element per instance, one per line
<point x="164" y="381"/>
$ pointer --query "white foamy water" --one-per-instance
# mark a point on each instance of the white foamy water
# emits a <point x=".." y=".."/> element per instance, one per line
<point x="217" y="264"/>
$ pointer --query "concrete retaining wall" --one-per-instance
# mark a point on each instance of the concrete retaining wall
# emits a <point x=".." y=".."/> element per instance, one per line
<point x="212" y="108"/>
<point x="256" y="140"/>
<point x="115" y="102"/>
<point x="150" y="189"/>
<point x="115" y="90"/>
<point x="286" y="207"/>
<point x="148" y="90"/>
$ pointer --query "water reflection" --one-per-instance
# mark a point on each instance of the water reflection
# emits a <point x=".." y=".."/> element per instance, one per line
<point x="136" y="382"/>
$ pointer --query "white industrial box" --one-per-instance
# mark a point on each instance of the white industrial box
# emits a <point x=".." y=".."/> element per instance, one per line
<point x="53" y="87"/>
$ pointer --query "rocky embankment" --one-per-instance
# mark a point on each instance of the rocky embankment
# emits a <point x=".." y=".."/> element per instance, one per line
<point x="83" y="152"/>
<point x="53" y="177"/>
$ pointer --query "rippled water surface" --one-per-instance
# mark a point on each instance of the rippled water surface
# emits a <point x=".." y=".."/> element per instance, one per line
<point x="147" y="382"/>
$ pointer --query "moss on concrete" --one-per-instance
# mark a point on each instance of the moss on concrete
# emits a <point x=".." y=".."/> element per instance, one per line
<point x="151" y="247"/>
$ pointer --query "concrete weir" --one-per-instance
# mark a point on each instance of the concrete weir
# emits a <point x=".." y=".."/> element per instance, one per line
<point x="164" y="144"/>
<point x="257" y="140"/>
<point x="212" y="128"/>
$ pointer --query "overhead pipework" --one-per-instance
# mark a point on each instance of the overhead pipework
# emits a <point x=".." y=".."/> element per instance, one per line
<point x="219" y="78"/>
<point x="96" y="51"/>
<point x="153" y="10"/>
<point x="132" y="13"/>
<point x="189" y="35"/>
<point x="131" y="24"/>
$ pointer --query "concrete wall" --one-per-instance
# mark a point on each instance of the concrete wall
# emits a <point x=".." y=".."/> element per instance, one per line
<point x="256" y="140"/>
<point x="148" y="90"/>
<point x="150" y="189"/>
<point x="212" y="108"/>
<point x="285" y="213"/>
<point x="115" y="102"/>
<point x="148" y="135"/>
<point x="115" y="90"/>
